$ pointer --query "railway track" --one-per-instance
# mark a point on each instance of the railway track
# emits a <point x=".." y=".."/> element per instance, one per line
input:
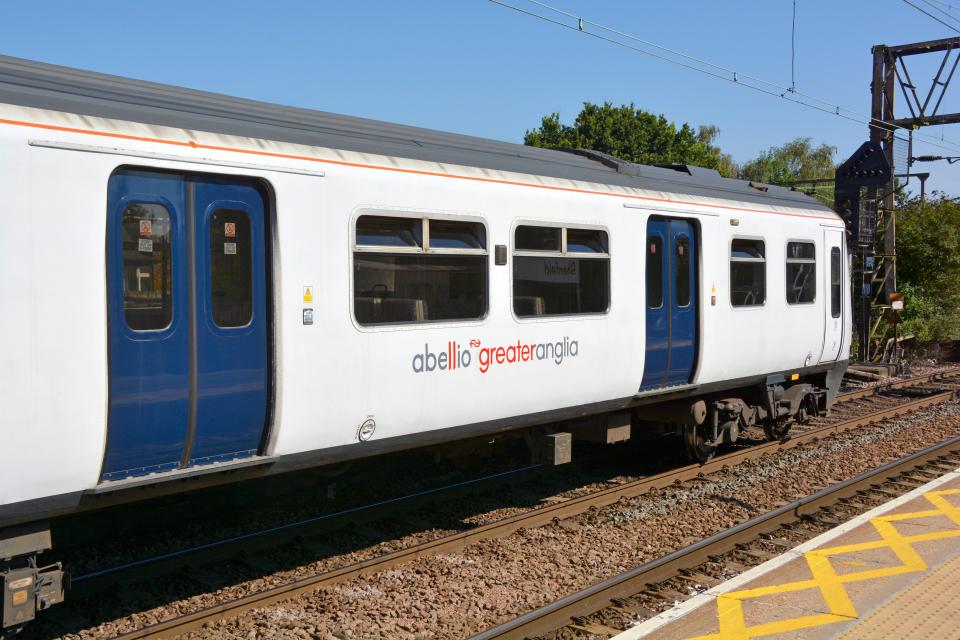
<point x="556" y="511"/>
<point x="906" y="383"/>
<point x="574" y="610"/>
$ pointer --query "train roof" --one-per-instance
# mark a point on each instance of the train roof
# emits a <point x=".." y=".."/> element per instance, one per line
<point x="43" y="86"/>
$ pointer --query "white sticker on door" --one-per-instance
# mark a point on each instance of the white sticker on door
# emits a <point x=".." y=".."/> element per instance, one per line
<point x="145" y="245"/>
<point x="230" y="248"/>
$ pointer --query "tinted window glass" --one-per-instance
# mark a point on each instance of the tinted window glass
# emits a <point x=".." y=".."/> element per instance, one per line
<point x="383" y="231"/>
<point x="801" y="251"/>
<point x="835" y="282"/>
<point x="801" y="272"/>
<point x="558" y="285"/>
<point x="147" y="266"/>
<point x="682" y="265"/>
<point x="537" y="239"/>
<point x="231" y="268"/>
<point x="445" y="234"/>
<point x="654" y="272"/>
<point x="748" y="280"/>
<point x="747" y="249"/>
<point x="586" y="241"/>
<point x="410" y="288"/>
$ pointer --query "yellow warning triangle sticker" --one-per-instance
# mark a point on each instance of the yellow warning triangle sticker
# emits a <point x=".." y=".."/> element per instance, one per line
<point x="308" y="294"/>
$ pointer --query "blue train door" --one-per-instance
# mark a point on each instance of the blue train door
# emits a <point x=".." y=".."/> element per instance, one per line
<point x="671" y="301"/>
<point x="188" y="321"/>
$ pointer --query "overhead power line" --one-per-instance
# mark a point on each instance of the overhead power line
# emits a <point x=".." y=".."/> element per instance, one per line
<point x="616" y="37"/>
<point x="936" y="8"/>
<point x="948" y="7"/>
<point x="793" y="49"/>
<point x="927" y="13"/>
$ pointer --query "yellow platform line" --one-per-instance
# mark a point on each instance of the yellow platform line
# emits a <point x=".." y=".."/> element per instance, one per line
<point x="730" y="616"/>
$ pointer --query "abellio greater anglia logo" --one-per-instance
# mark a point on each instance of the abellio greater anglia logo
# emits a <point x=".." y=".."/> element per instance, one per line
<point x="455" y="356"/>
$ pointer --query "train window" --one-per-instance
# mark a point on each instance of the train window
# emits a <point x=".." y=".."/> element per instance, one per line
<point x="412" y="270"/>
<point x="231" y="268"/>
<point x="682" y="266"/>
<point x="801" y="272"/>
<point x="147" y="266"/>
<point x="748" y="279"/>
<point x="835" y="282"/>
<point x="560" y="271"/>
<point x="655" y="272"/>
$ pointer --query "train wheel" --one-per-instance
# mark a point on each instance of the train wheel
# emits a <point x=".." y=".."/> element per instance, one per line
<point x="776" y="430"/>
<point x="696" y="441"/>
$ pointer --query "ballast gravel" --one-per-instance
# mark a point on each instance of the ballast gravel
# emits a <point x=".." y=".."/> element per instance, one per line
<point x="458" y="594"/>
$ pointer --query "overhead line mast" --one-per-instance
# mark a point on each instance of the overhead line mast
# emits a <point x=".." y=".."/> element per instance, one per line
<point x="890" y="76"/>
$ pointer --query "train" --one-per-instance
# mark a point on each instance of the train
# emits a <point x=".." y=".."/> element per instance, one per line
<point x="202" y="289"/>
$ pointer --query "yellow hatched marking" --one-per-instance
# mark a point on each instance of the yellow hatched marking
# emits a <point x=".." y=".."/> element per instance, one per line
<point x="730" y="616"/>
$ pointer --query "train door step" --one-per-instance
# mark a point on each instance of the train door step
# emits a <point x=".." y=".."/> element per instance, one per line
<point x="664" y="390"/>
<point x="110" y="486"/>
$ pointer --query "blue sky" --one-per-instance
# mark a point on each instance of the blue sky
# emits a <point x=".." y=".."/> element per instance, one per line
<point x="472" y="67"/>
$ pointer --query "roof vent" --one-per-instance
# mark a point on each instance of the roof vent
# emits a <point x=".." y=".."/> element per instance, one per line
<point x="613" y="162"/>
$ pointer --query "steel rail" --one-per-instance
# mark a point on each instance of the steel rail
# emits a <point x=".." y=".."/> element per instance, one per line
<point x="537" y="517"/>
<point x="597" y="597"/>
<point x="878" y="389"/>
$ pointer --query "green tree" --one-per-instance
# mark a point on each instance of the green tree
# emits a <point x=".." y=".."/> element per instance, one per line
<point x="635" y="135"/>
<point x="795" y="160"/>
<point x="928" y="267"/>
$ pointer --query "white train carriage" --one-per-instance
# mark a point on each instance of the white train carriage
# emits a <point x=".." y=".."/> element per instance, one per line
<point x="196" y="284"/>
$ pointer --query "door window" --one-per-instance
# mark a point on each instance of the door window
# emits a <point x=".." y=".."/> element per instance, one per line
<point x="654" y="272"/>
<point x="682" y="265"/>
<point x="231" y="268"/>
<point x="835" y="280"/>
<point x="147" y="266"/>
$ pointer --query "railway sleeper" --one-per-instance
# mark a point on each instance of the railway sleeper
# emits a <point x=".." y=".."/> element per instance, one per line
<point x="28" y="587"/>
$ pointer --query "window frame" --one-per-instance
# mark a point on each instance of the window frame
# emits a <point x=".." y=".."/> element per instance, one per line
<point x="676" y="271"/>
<point x="563" y="253"/>
<point x="175" y="239"/>
<point x="788" y="260"/>
<point x="211" y="320"/>
<point x="646" y="255"/>
<point x="838" y="252"/>
<point x="731" y="259"/>
<point x="424" y="215"/>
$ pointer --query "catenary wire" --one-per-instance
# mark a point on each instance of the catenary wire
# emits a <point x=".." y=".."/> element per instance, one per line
<point x="735" y="75"/>
<point x="729" y="75"/>
<point x="930" y="15"/>
<point x="936" y="8"/>
<point x="949" y="7"/>
<point x="793" y="49"/>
